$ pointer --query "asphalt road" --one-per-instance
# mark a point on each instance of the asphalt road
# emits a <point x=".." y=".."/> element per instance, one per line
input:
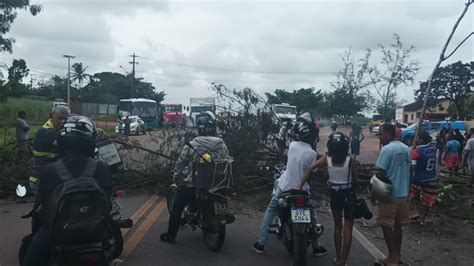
<point x="143" y="247"/>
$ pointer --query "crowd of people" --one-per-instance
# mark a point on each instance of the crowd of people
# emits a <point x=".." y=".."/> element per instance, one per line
<point x="65" y="144"/>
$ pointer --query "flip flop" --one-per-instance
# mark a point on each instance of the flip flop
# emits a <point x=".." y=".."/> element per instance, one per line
<point x="415" y="217"/>
<point x="380" y="263"/>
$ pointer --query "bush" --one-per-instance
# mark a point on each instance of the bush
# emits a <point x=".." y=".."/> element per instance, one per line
<point x="37" y="112"/>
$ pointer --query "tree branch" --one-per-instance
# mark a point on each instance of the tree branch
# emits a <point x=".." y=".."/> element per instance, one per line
<point x="459" y="45"/>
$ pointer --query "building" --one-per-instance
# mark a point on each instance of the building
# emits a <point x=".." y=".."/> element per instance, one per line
<point x="409" y="113"/>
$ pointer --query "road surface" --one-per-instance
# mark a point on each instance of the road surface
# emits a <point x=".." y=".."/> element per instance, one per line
<point x="143" y="247"/>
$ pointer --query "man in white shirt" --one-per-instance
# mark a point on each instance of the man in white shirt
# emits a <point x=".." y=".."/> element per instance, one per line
<point x="468" y="158"/>
<point x="300" y="157"/>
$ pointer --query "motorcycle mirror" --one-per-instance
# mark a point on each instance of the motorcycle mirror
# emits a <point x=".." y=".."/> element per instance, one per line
<point x="20" y="191"/>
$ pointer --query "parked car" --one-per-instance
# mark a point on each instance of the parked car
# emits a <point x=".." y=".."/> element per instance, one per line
<point x="376" y="129"/>
<point x="432" y="128"/>
<point x="137" y="126"/>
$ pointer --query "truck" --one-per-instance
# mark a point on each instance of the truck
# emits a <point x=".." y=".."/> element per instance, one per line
<point x="172" y="114"/>
<point x="199" y="106"/>
<point x="284" y="112"/>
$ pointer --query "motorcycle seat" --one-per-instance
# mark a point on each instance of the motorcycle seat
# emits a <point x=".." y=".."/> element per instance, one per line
<point x="295" y="192"/>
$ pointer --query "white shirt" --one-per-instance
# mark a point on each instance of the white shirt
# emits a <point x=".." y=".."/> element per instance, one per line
<point x="339" y="175"/>
<point x="300" y="157"/>
<point x="470" y="147"/>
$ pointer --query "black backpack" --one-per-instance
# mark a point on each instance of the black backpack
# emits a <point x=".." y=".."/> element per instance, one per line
<point x="78" y="208"/>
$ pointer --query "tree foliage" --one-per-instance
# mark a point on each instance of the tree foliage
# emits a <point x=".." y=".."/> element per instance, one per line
<point x="305" y="99"/>
<point x="450" y="83"/>
<point x="8" y="14"/>
<point x="107" y="87"/>
<point x="16" y="73"/>
<point x="396" y="68"/>
<point x="79" y="74"/>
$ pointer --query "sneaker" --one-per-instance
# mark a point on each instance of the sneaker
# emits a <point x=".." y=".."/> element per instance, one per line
<point x="258" y="248"/>
<point x="165" y="238"/>
<point x="319" y="251"/>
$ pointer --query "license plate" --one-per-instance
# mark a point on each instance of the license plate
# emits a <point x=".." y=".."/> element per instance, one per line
<point x="300" y="215"/>
<point x="221" y="208"/>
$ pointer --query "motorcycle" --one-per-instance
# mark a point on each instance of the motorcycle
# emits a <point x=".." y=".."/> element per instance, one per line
<point x="93" y="254"/>
<point x="211" y="214"/>
<point x="295" y="225"/>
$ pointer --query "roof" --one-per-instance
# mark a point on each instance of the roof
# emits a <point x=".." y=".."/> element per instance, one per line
<point x="412" y="107"/>
<point x="138" y="100"/>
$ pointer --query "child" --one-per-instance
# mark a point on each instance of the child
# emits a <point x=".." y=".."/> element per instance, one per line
<point x="342" y="173"/>
<point x="300" y="157"/>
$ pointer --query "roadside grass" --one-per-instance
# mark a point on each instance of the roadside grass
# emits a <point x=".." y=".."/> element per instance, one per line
<point x="37" y="112"/>
<point x="105" y="118"/>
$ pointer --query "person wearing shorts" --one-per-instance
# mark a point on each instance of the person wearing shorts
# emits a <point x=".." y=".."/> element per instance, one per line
<point x="468" y="158"/>
<point x="342" y="173"/>
<point x="451" y="158"/>
<point x="393" y="165"/>
<point x="424" y="186"/>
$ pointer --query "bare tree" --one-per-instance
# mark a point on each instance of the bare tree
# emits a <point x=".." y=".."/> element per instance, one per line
<point x="442" y="58"/>
<point x="397" y="68"/>
<point x="349" y="85"/>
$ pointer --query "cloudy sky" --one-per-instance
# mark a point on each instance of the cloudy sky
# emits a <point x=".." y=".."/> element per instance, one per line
<point x="266" y="45"/>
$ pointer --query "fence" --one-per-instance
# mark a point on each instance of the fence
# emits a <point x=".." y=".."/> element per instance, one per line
<point x="93" y="109"/>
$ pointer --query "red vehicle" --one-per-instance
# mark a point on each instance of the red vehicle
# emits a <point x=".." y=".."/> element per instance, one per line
<point x="172" y="114"/>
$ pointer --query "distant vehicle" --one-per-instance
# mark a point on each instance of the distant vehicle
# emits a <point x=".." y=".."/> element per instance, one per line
<point x="377" y="120"/>
<point x="200" y="106"/>
<point x="431" y="127"/>
<point x="284" y="111"/>
<point x="137" y="126"/>
<point x="58" y="103"/>
<point x="172" y="114"/>
<point x="146" y="109"/>
<point x="376" y="129"/>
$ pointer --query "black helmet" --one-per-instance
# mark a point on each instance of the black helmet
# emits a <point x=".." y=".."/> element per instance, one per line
<point x="305" y="129"/>
<point x="338" y="146"/>
<point x="206" y="124"/>
<point x="78" y="135"/>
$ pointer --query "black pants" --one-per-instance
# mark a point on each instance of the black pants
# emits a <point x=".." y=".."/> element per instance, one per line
<point x="183" y="197"/>
<point x="39" y="248"/>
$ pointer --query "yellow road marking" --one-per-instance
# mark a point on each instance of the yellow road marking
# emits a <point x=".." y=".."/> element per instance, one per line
<point x="138" y="235"/>
<point x="138" y="214"/>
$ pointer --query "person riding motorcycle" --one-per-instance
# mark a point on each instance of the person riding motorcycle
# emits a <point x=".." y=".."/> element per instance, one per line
<point x="300" y="157"/>
<point x="45" y="148"/>
<point x="76" y="147"/>
<point x="206" y="147"/>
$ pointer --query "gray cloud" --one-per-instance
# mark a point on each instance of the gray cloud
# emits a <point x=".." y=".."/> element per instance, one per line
<point x="262" y="36"/>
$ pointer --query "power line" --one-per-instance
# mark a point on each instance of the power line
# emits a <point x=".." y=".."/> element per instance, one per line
<point x="240" y="70"/>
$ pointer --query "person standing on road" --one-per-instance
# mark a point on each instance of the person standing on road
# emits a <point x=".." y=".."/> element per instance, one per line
<point x="334" y="126"/>
<point x="205" y="144"/>
<point x="459" y="137"/>
<point x="424" y="185"/>
<point x="342" y="176"/>
<point x="451" y="153"/>
<point x="440" y="144"/>
<point x="468" y="158"/>
<point x="22" y="129"/>
<point x="300" y="157"/>
<point x="393" y="166"/>
<point x="356" y="136"/>
<point x="45" y="148"/>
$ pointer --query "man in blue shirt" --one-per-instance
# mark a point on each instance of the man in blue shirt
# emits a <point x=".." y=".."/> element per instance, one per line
<point x="423" y="188"/>
<point x="393" y="166"/>
<point x="451" y="153"/>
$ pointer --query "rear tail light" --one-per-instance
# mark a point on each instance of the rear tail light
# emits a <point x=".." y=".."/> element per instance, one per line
<point x="89" y="259"/>
<point x="299" y="201"/>
<point x="119" y="193"/>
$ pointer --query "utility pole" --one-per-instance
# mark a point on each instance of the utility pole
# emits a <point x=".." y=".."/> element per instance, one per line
<point x="32" y="79"/>
<point x="133" y="62"/>
<point x="69" y="57"/>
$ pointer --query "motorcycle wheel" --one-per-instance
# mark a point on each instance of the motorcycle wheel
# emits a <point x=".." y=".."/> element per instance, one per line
<point x="117" y="246"/>
<point x="300" y="245"/>
<point x="25" y="244"/>
<point x="214" y="237"/>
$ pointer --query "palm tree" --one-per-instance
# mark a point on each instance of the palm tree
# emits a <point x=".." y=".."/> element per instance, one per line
<point x="79" y="73"/>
